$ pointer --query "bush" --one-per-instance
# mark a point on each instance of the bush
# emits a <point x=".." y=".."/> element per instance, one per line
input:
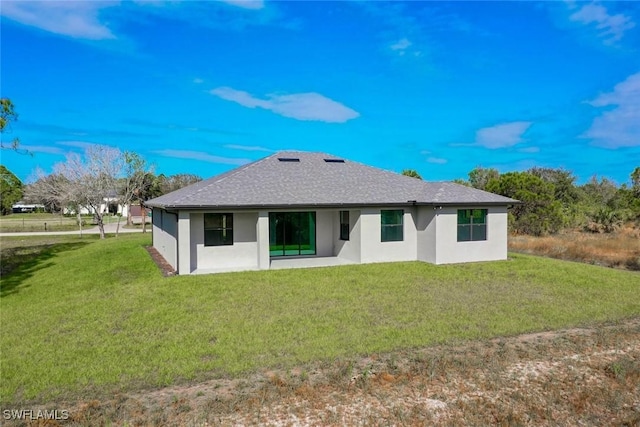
<point x="605" y="220"/>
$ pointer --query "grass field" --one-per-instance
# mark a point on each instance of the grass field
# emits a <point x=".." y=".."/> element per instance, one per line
<point x="94" y="318"/>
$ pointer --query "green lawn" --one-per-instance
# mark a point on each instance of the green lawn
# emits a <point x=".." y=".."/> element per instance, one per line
<point x="96" y="317"/>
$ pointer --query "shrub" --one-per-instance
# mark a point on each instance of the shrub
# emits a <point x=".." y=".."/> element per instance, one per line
<point x="604" y="220"/>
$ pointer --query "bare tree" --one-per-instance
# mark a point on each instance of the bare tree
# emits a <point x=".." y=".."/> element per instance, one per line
<point x="166" y="184"/>
<point x="90" y="180"/>
<point x="131" y="185"/>
<point x="480" y="177"/>
<point x="45" y="189"/>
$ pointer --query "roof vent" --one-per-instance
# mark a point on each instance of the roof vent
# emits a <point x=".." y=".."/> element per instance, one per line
<point x="334" y="160"/>
<point x="288" y="159"/>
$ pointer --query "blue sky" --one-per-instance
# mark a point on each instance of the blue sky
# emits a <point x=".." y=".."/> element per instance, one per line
<point x="441" y="87"/>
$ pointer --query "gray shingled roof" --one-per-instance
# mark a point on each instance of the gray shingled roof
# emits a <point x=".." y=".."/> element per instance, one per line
<point x="311" y="181"/>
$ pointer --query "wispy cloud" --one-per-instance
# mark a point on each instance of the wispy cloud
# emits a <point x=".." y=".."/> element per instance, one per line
<point x="436" y="160"/>
<point x="173" y="126"/>
<point x="77" y="144"/>
<point x="202" y="156"/>
<point x="246" y="147"/>
<point x="433" y="159"/>
<point x="404" y="46"/>
<point x="234" y="15"/>
<point x="529" y="150"/>
<point x="401" y="46"/>
<point x="401" y="30"/>
<point x="198" y="81"/>
<point x="69" y="132"/>
<point x="618" y="126"/>
<point x="78" y="19"/>
<point x="246" y="4"/>
<point x="611" y="28"/>
<point x="47" y="149"/>
<point x="83" y="19"/>
<point x="299" y="106"/>
<point x="502" y="135"/>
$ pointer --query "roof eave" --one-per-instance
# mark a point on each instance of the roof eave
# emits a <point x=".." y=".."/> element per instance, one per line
<point x="334" y="205"/>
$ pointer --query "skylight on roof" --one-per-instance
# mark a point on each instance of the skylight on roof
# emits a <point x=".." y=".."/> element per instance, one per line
<point x="334" y="160"/>
<point x="288" y="159"/>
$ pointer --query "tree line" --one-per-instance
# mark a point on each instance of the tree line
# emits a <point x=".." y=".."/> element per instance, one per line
<point x="92" y="180"/>
<point x="551" y="200"/>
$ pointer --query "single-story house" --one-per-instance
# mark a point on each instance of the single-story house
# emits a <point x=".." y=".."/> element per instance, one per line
<point x="301" y="209"/>
<point x="24" y="207"/>
<point x="110" y="205"/>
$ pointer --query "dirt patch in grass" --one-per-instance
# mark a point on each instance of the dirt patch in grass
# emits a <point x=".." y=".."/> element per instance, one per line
<point x="162" y="263"/>
<point x="620" y="249"/>
<point x="585" y="377"/>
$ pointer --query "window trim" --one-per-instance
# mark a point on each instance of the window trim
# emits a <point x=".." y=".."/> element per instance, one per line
<point x="399" y="225"/>
<point x="471" y="225"/>
<point x="224" y="228"/>
<point x="345" y="226"/>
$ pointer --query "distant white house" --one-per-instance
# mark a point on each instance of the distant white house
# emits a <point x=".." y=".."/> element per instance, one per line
<point x="299" y="209"/>
<point x="22" y="207"/>
<point x="110" y="205"/>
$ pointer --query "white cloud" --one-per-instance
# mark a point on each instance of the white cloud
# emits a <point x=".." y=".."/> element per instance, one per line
<point x="78" y="19"/>
<point x="246" y="4"/>
<point x="618" y="126"/>
<point x="243" y="98"/>
<point x="300" y="106"/>
<point x="198" y="81"/>
<point x="401" y="47"/>
<point x="611" y="28"/>
<point x="502" y="135"/>
<point x="401" y="44"/>
<point x="436" y="160"/>
<point x="199" y="155"/>
<point x="246" y="147"/>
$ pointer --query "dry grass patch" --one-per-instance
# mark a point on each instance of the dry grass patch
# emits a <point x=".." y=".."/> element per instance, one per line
<point x="620" y="249"/>
<point x="588" y="377"/>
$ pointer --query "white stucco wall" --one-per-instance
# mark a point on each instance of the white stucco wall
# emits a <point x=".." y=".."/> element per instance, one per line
<point x="449" y="250"/>
<point x="373" y="250"/>
<point x="324" y="232"/>
<point x="430" y="235"/>
<point x="426" y="231"/>
<point x="165" y="235"/>
<point x="347" y="249"/>
<point x="242" y="255"/>
<point x="184" y="242"/>
<point x="262" y="237"/>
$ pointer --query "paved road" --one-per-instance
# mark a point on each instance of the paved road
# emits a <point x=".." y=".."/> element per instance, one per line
<point x="108" y="228"/>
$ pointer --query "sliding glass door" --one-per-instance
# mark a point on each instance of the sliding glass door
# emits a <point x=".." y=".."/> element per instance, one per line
<point x="292" y="233"/>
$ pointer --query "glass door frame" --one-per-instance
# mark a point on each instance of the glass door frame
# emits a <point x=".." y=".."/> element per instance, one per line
<point x="292" y="234"/>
